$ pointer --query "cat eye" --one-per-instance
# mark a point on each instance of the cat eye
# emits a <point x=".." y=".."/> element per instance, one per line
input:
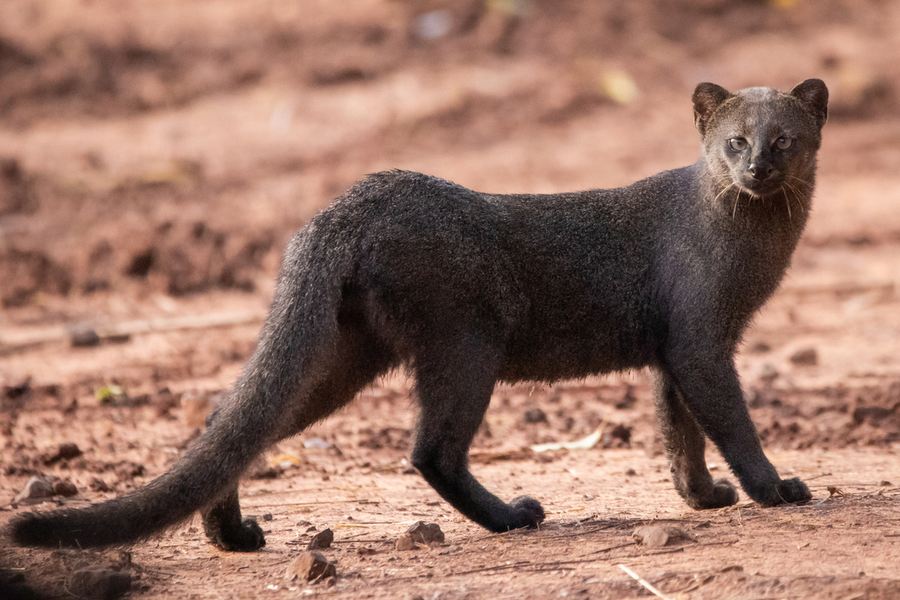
<point x="783" y="143"/>
<point x="737" y="144"/>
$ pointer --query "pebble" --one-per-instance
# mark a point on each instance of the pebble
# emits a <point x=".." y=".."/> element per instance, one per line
<point x="323" y="539"/>
<point x="64" y="452"/>
<point x="621" y="432"/>
<point x="84" y="337"/>
<point x="425" y="533"/>
<point x="64" y="488"/>
<point x="656" y="536"/>
<point x="99" y="584"/>
<point x="806" y="357"/>
<point x="311" y="566"/>
<point x="405" y="542"/>
<point x="535" y="415"/>
<point x="69" y="450"/>
<point x="35" y="491"/>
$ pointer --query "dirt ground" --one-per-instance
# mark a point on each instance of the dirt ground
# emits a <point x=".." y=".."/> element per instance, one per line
<point x="155" y="157"/>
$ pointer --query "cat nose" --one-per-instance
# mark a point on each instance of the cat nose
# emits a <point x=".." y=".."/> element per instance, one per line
<point x="761" y="170"/>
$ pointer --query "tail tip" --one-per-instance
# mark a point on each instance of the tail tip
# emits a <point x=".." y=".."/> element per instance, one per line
<point x="36" y="530"/>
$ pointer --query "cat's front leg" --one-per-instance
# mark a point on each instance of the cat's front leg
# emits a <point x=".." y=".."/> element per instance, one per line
<point x="709" y="387"/>
<point x="686" y="449"/>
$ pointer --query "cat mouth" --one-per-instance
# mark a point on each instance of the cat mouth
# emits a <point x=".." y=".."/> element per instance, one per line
<point x="760" y="189"/>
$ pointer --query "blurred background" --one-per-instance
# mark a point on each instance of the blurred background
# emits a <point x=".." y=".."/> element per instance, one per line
<point x="170" y="147"/>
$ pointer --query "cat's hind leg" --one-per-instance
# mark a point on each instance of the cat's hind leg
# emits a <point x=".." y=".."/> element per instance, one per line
<point x="357" y="360"/>
<point x="454" y="380"/>
<point x="224" y="527"/>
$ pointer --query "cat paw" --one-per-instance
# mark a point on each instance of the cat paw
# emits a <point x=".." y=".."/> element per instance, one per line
<point x="527" y="511"/>
<point x="248" y="537"/>
<point x="721" y="494"/>
<point x="786" y="491"/>
<point x="792" y="490"/>
<point x="724" y="494"/>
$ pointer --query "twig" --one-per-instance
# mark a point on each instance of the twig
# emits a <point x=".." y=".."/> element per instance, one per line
<point x="556" y="564"/>
<point x="817" y="476"/>
<point x="520" y="563"/>
<point x="645" y="583"/>
<point x="672" y="551"/>
<point x="602" y="550"/>
<point x="11" y="345"/>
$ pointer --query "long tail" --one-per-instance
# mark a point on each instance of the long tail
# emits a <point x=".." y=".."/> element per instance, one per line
<point x="296" y="340"/>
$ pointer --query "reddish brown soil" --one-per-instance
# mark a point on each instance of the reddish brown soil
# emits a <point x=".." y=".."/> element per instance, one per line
<point x="155" y="156"/>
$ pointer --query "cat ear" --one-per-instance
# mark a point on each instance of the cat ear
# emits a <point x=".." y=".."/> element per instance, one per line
<point x="813" y="94"/>
<point x="707" y="97"/>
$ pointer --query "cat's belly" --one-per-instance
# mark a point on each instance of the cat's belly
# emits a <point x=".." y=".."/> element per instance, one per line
<point x="573" y="352"/>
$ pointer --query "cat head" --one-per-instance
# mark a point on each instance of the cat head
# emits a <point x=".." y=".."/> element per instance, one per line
<point x="761" y="139"/>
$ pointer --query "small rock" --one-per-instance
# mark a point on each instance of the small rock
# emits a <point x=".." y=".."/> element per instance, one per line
<point x="35" y="491"/>
<point x="64" y="488"/>
<point x="322" y="539"/>
<point x="84" y="337"/>
<point x="405" y="542"/>
<point x="67" y="451"/>
<point x="535" y="415"/>
<point x="99" y="584"/>
<point x="425" y="533"/>
<point x="311" y="566"/>
<point x="805" y="357"/>
<point x="267" y="517"/>
<point x="622" y="433"/>
<point x="656" y="536"/>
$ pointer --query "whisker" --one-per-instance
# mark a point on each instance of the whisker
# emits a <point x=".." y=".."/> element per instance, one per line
<point x="800" y="180"/>
<point x="725" y="189"/>
<point x="797" y="195"/>
<point x="787" y="203"/>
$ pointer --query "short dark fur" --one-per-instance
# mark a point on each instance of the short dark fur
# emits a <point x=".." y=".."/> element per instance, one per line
<point x="468" y="289"/>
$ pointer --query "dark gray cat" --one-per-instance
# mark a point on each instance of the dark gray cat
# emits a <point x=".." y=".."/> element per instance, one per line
<point x="467" y="289"/>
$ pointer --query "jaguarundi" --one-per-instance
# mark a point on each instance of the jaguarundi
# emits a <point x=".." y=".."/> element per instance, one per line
<point x="466" y="289"/>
